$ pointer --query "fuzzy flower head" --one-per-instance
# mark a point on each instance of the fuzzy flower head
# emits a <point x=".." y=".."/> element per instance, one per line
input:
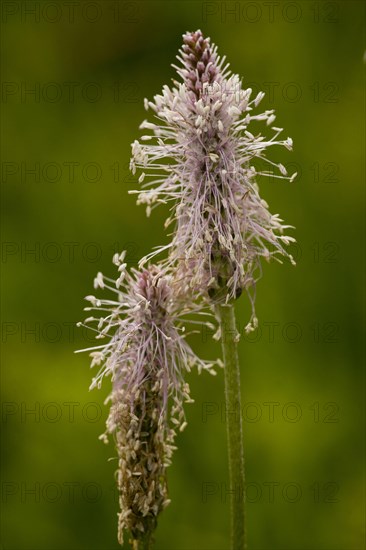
<point x="146" y="356"/>
<point x="202" y="156"/>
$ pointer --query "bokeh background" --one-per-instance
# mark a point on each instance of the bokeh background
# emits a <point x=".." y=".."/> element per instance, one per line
<point x="74" y="76"/>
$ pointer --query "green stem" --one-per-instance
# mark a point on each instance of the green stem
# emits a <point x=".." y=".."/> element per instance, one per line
<point x="144" y="543"/>
<point x="226" y="314"/>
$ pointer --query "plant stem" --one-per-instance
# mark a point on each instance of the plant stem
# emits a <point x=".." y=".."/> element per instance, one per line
<point x="226" y="314"/>
<point x="144" y="543"/>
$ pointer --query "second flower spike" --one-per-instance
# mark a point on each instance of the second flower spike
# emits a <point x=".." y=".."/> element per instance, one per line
<point x="147" y="357"/>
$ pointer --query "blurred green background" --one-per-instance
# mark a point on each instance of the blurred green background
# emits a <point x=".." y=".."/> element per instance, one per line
<point x="65" y="154"/>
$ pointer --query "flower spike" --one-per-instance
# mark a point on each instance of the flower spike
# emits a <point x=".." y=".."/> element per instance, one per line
<point x="146" y="356"/>
<point x="202" y="127"/>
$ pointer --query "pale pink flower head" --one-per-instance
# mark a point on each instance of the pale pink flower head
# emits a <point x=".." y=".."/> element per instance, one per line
<point x="146" y="356"/>
<point x="202" y="156"/>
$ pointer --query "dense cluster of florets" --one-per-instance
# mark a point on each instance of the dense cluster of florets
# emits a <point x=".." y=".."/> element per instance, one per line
<point x="222" y="226"/>
<point x="146" y="357"/>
